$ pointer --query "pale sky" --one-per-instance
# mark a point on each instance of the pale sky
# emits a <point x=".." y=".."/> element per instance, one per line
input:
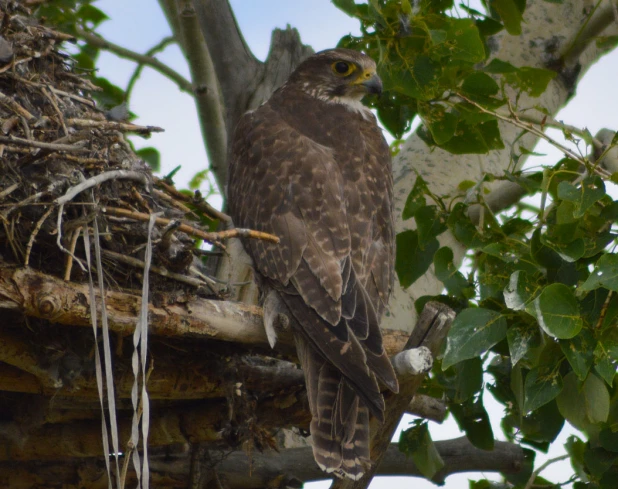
<point x="139" y="24"/>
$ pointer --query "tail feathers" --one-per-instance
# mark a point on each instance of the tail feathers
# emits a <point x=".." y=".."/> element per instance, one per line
<point x="340" y="426"/>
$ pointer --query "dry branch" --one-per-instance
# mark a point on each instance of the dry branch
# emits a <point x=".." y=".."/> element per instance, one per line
<point x="170" y="468"/>
<point x="214" y="238"/>
<point x="154" y="63"/>
<point x="44" y="296"/>
<point x="115" y="126"/>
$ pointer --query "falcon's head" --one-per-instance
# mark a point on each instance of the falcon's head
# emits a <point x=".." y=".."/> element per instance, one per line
<point x="337" y="75"/>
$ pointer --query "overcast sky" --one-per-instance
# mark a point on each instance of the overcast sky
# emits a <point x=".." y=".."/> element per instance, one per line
<point x="139" y="24"/>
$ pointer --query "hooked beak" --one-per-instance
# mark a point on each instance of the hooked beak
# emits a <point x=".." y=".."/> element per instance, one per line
<point x="373" y="84"/>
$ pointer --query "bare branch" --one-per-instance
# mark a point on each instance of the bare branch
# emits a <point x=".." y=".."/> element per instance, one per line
<point x="154" y="63"/>
<point x="74" y="148"/>
<point x="214" y="238"/>
<point x="599" y="20"/>
<point x="115" y="126"/>
<point x="239" y="470"/>
<point x="238" y="71"/>
<point x="207" y="92"/>
<point x="428" y="407"/>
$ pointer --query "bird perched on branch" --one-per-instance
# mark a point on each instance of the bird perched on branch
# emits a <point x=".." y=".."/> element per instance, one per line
<point x="311" y="166"/>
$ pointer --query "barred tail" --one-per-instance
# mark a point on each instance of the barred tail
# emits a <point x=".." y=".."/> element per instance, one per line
<point x="340" y="419"/>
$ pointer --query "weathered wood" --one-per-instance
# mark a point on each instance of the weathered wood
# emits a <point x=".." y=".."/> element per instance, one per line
<point x="47" y="297"/>
<point x="241" y="470"/>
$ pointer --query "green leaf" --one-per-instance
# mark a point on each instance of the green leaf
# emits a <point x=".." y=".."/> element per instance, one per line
<point x="417" y="443"/>
<point x="534" y="81"/>
<point x="540" y="387"/>
<point x="451" y="277"/>
<point x="463" y="380"/>
<point x="520" y="291"/>
<point x="571" y="402"/>
<point x="579" y="352"/>
<point x="576" y="449"/>
<point x="605" y="274"/>
<point x="488" y="27"/>
<point x="605" y="366"/>
<point x="596" y="398"/>
<point x="608" y="440"/>
<point x="416" y="199"/>
<point x="510" y="14"/>
<point x="473" y="331"/>
<point x="396" y="112"/>
<point x="462" y="228"/>
<point x="599" y="461"/>
<point x="412" y="260"/>
<point x="464" y="41"/>
<point x="591" y="190"/>
<point x="570" y="251"/>
<point x="478" y="83"/>
<point x="498" y="66"/>
<point x="347" y="6"/>
<point x="441" y="124"/>
<point x="91" y="14"/>
<point x="520" y="338"/>
<point x="151" y="156"/>
<point x="542" y="426"/>
<point x="475" y="139"/>
<point x="472" y="418"/>
<point x="557" y="311"/>
<point x="430" y="223"/>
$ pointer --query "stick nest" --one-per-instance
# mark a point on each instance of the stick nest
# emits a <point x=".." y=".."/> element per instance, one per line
<point x="66" y="168"/>
<point x="53" y="138"/>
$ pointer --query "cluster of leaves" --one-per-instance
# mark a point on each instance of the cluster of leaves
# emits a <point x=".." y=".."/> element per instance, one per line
<point x="427" y="59"/>
<point x="539" y="314"/>
<point x="539" y="308"/>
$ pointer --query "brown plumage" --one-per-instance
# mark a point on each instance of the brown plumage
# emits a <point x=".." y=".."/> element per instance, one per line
<point x="312" y="167"/>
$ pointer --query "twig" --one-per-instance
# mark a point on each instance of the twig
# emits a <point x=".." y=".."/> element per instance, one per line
<point x="10" y="66"/>
<point x="154" y="63"/>
<point x="73" y="148"/>
<point x="160" y="46"/>
<point x="35" y="231"/>
<point x="550" y="122"/>
<point x="9" y="190"/>
<point x="51" y="98"/>
<point x="604" y="310"/>
<point x="115" y="126"/>
<point x="72" y="245"/>
<point x="134" y="262"/>
<point x="99" y="179"/>
<point x="214" y="238"/>
<point x="512" y="119"/>
<point x="18" y="109"/>
<point x="201" y="205"/>
<point x="534" y="475"/>
<point x="83" y="100"/>
<point x="173" y="202"/>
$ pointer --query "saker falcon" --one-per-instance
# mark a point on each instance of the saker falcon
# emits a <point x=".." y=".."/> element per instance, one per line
<point x="311" y="166"/>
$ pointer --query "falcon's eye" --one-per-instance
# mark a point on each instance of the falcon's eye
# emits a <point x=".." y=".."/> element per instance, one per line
<point x="342" y="68"/>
